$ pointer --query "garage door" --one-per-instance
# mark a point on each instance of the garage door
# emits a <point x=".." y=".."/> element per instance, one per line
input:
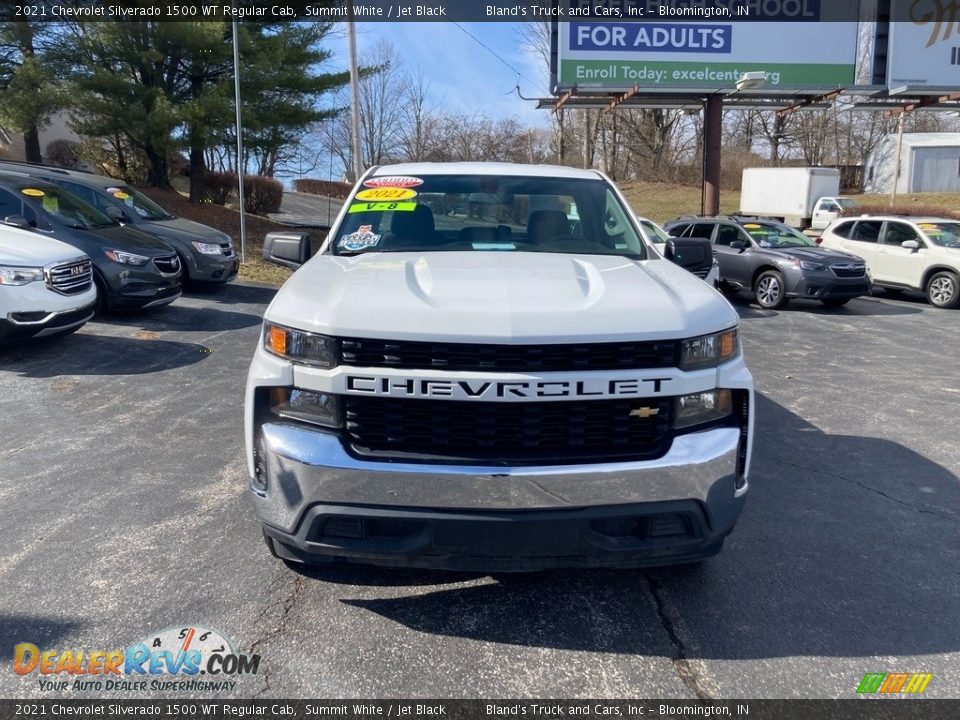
<point x="936" y="169"/>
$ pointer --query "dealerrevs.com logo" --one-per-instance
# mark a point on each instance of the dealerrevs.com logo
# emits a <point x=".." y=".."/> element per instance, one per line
<point x="179" y="659"/>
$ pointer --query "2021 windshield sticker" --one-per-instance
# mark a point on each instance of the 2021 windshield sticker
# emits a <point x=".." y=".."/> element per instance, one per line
<point x="387" y="193"/>
<point x="362" y="239"/>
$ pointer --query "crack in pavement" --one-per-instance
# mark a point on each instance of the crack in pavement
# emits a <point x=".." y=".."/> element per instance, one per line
<point x="869" y="488"/>
<point x="282" y="624"/>
<point x="691" y="672"/>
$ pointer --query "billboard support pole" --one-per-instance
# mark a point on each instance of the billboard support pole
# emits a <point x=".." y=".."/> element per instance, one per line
<point x="896" y="165"/>
<point x="712" y="136"/>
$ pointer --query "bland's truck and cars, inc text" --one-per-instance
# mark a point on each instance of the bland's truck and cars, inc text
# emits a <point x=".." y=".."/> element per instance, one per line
<point x="487" y="367"/>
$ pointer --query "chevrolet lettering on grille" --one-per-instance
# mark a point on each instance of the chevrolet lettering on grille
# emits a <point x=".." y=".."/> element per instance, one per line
<point x="493" y="389"/>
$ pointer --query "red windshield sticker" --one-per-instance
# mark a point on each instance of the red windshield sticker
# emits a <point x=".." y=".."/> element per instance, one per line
<point x="397" y="181"/>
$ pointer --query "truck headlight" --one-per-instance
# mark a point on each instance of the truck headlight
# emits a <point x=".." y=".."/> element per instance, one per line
<point x="700" y="408"/>
<point x="206" y="248"/>
<point x="126" y="258"/>
<point x="299" y="346"/>
<point x="12" y="275"/>
<point x="709" y="350"/>
<point x="306" y="406"/>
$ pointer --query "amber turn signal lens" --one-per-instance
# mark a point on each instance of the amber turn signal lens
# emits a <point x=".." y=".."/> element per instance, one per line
<point x="277" y="340"/>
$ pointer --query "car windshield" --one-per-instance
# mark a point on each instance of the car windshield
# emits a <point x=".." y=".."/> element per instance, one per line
<point x="777" y="236"/>
<point x="487" y="213"/>
<point x="139" y="203"/>
<point x="65" y="207"/>
<point x="944" y="234"/>
<point x="847" y="204"/>
<point x="656" y="233"/>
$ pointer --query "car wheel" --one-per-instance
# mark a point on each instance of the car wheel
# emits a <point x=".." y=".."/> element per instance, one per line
<point x="100" y="308"/>
<point x="943" y="290"/>
<point x="770" y="290"/>
<point x="835" y="302"/>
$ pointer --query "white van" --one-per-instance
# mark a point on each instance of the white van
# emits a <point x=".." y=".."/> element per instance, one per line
<point x="46" y="286"/>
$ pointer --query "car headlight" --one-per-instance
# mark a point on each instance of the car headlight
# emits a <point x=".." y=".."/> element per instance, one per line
<point x="12" y="275"/>
<point x="701" y="408"/>
<point x="306" y="406"/>
<point x="126" y="258"/>
<point x="808" y="264"/>
<point x="709" y="350"/>
<point x="207" y="248"/>
<point x="299" y="346"/>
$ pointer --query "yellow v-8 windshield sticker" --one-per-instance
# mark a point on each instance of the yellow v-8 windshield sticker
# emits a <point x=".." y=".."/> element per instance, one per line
<point x="382" y="207"/>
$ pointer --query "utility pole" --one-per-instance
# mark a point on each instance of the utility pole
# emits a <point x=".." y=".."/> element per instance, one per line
<point x="354" y="94"/>
<point x="240" y="164"/>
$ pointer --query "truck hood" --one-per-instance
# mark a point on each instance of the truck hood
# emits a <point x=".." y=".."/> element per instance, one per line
<point x="183" y="230"/>
<point x="817" y="254"/>
<point x="33" y="250"/>
<point x="499" y="297"/>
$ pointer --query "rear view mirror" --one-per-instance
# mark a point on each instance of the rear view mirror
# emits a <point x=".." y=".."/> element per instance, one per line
<point x="910" y="245"/>
<point x="115" y="213"/>
<point x="693" y="254"/>
<point x="18" y="221"/>
<point x="738" y="245"/>
<point x="287" y="248"/>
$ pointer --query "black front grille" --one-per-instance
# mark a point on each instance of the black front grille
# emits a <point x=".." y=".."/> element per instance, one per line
<point x="226" y="249"/>
<point x="508" y="433"/>
<point x="167" y="264"/>
<point x="70" y="278"/>
<point x="361" y="352"/>
<point x="844" y="271"/>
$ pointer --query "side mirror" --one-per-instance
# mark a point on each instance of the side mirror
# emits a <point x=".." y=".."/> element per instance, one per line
<point x="18" y="221"/>
<point x="738" y="245"/>
<point x="115" y="213"/>
<point x="693" y="254"/>
<point x="287" y="248"/>
<point x="910" y="245"/>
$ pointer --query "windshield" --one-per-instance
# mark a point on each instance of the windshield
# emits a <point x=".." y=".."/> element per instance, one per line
<point x="847" y="204"/>
<point x="656" y="233"/>
<point x="487" y="213"/>
<point x="65" y="207"/>
<point x="777" y="236"/>
<point x="944" y="234"/>
<point x="139" y="203"/>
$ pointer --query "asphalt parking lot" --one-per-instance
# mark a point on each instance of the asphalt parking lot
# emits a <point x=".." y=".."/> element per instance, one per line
<point x="123" y="484"/>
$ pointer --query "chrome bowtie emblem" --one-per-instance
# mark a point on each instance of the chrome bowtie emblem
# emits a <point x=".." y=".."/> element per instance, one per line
<point x="644" y="412"/>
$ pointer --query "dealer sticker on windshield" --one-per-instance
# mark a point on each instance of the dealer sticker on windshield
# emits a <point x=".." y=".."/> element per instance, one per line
<point x="396" y="181"/>
<point x="362" y="239"/>
<point x="382" y="207"/>
<point x="386" y="193"/>
<point x="33" y="192"/>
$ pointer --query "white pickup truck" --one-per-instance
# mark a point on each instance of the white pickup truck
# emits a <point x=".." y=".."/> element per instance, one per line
<point x="464" y="378"/>
<point x="46" y="286"/>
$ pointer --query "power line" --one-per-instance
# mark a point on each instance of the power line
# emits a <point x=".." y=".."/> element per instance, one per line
<point x="492" y="52"/>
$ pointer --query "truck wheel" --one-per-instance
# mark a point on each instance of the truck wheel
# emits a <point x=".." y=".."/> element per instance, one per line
<point x="770" y="290"/>
<point x="943" y="290"/>
<point x="835" y="302"/>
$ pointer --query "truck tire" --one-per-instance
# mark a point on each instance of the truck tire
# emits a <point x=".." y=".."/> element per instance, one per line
<point x="770" y="290"/>
<point x="943" y="290"/>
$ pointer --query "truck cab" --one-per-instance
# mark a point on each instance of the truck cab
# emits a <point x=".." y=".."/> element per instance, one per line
<point x="828" y="209"/>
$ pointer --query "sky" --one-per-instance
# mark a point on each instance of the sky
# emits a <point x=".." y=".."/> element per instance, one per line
<point x="463" y="76"/>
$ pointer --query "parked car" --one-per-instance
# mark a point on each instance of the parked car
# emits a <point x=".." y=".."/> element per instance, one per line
<point x="131" y="269"/>
<point x="775" y="262"/>
<point x="46" y="287"/>
<point x="206" y="255"/>
<point x="905" y="253"/>
<point x="655" y="234"/>
<point x="508" y="391"/>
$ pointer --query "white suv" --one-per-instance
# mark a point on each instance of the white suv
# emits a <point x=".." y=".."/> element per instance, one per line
<point x="905" y="253"/>
<point x="46" y="286"/>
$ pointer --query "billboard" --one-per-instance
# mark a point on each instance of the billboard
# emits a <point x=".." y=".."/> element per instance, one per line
<point x="704" y="54"/>
<point x="924" y="47"/>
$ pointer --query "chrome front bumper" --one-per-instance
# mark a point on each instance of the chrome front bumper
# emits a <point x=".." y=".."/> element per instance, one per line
<point x="304" y="468"/>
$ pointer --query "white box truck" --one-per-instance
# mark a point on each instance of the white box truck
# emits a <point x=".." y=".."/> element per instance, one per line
<point x="801" y="196"/>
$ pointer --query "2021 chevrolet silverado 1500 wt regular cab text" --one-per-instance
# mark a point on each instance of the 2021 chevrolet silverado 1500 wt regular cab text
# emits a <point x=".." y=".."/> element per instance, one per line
<point x="465" y="378"/>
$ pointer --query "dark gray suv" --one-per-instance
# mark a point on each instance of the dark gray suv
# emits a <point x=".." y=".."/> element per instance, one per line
<point x="206" y="254"/>
<point x="775" y="262"/>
